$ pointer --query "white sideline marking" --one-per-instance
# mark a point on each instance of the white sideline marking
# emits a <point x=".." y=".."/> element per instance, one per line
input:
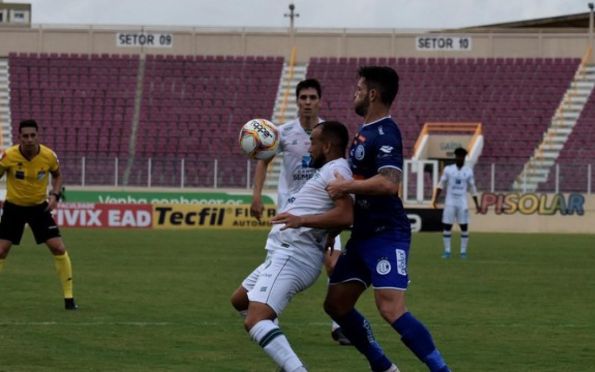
<point x="141" y="324"/>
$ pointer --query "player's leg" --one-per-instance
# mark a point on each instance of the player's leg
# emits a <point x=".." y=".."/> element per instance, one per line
<point x="12" y="225"/>
<point x="63" y="267"/>
<point x="448" y="219"/>
<point x="46" y="231"/>
<point x="390" y="280"/>
<point x="347" y="282"/>
<point x="330" y="260"/>
<point x="464" y="224"/>
<point x="277" y="284"/>
<point x="4" y="249"/>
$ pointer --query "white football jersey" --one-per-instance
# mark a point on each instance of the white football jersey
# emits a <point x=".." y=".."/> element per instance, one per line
<point x="456" y="182"/>
<point x="294" y="144"/>
<point x="306" y="244"/>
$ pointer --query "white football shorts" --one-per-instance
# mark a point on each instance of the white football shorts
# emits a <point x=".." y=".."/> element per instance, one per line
<point x="278" y="279"/>
<point x="455" y="214"/>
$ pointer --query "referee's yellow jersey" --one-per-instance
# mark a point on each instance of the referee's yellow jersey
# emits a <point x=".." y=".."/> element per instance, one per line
<point x="27" y="180"/>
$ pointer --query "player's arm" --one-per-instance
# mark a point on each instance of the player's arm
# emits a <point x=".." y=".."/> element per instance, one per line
<point x="386" y="182"/>
<point x="55" y="194"/>
<point x="260" y="174"/>
<point x="437" y="194"/>
<point x="439" y="187"/>
<point x="473" y="189"/>
<point x="2" y="171"/>
<point x="338" y="218"/>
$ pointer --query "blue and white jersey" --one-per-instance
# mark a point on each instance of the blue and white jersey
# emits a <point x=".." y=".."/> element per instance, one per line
<point x="457" y="182"/>
<point x="377" y="145"/>
<point x="306" y="244"/>
<point x="295" y="170"/>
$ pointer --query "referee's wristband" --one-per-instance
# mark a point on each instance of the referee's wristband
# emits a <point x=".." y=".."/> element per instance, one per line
<point x="57" y="195"/>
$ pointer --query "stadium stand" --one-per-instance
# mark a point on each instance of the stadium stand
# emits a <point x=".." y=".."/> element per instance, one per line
<point x="191" y="109"/>
<point x="577" y="154"/>
<point x="504" y="94"/>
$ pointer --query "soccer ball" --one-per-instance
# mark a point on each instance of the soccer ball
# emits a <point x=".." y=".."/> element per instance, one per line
<point x="259" y="139"/>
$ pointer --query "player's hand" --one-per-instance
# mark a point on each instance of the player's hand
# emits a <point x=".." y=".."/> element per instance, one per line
<point x="256" y="208"/>
<point x="52" y="203"/>
<point x="336" y="188"/>
<point x="288" y="219"/>
<point x="330" y="244"/>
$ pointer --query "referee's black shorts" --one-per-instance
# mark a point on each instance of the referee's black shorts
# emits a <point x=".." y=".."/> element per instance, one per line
<point x="14" y="218"/>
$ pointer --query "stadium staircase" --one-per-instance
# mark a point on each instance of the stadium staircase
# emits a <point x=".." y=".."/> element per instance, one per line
<point x="6" y="133"/>
<point x="285" y="109"/>
<point x="538" y="167"/>
<point x="138" y="98"/>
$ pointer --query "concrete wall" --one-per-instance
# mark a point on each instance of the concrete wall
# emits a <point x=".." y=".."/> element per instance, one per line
<point x="278" y="42"/>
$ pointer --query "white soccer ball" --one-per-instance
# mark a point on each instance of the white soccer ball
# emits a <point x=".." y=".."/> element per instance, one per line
<point x="259" y="139"/>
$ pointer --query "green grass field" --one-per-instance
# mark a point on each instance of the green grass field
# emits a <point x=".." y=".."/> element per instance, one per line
<point x="157" y="301"/>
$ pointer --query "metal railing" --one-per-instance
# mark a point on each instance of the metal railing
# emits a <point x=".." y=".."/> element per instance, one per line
<point x="238" y="173"/>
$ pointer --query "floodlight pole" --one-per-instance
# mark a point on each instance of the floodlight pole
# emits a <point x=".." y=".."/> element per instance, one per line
<point x="292" y="15"/>
<point x="591" y="7"/>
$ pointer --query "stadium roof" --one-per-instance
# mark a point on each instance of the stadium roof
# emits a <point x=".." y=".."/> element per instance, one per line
<point x="579" y="21"/>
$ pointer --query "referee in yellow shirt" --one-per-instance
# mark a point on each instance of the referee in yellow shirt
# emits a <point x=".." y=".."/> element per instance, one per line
<point x="27" y="167"/>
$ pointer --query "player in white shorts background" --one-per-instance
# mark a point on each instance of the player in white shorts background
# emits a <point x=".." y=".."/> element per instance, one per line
<point x="457" y="178"/>
<point x="296" y="246"/>
<point x="295" y="169"/>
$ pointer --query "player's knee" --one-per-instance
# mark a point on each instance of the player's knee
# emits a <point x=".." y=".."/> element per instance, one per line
<point x="333" y="308"/>
<point x="464" y="227"/>
<point x="56" y="246"/>
<point x="446" y="227"/>
<point x="239" y="299"/>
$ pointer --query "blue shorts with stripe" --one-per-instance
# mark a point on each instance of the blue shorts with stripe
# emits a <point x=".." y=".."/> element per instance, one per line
<point x="380" y="260"/>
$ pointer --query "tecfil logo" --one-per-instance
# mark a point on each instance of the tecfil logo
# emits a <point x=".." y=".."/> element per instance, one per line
<point x="206" y="216"/>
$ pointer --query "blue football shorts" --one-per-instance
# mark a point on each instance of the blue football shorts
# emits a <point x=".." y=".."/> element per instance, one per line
<point x="380" y="261"/>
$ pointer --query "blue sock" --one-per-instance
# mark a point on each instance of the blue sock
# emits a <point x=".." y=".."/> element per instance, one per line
<point x="358" y="331"/>
<point x="419" y="340"/>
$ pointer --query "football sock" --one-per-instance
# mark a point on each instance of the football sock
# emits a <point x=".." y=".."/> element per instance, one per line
<point x="2" y="261"/>
<point x="464" y="241"/>
<point x="275" y="344"/>
<point x="358" y="331"/>
<point x="64" y="269"/>
<point x="418" y="339"/>
<point x="446" y="235"/>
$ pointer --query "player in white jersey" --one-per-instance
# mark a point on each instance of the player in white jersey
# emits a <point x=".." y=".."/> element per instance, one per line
<point x="457" y="178"/>
<point x="295" y="170"/>
<point x="296" y="246"/>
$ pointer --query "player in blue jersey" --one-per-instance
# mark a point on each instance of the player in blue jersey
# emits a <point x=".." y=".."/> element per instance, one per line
<point x="378" y="249"/>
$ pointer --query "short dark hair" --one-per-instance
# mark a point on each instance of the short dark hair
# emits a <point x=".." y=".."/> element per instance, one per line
<point x="382" y="78"/>
<point x="336" y="132"/>
<point x="308" y="83"/>
<point x="29" y="123"/>
<point x="459" y="151"/>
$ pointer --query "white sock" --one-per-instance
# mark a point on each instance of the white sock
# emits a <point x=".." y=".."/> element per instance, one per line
<point x="334" y="326"/>
<point x="464" y="241"/>
<point x="446" y="235"/>
<point x="275" y="344"/>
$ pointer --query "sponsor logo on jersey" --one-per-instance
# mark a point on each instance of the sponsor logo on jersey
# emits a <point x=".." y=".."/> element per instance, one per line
<point x="383" y="267"/>
<point x="386" y="149"/>
<point x="401" y="262"/>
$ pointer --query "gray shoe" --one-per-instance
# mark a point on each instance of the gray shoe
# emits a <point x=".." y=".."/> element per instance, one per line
<point x="340" y="337"/>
